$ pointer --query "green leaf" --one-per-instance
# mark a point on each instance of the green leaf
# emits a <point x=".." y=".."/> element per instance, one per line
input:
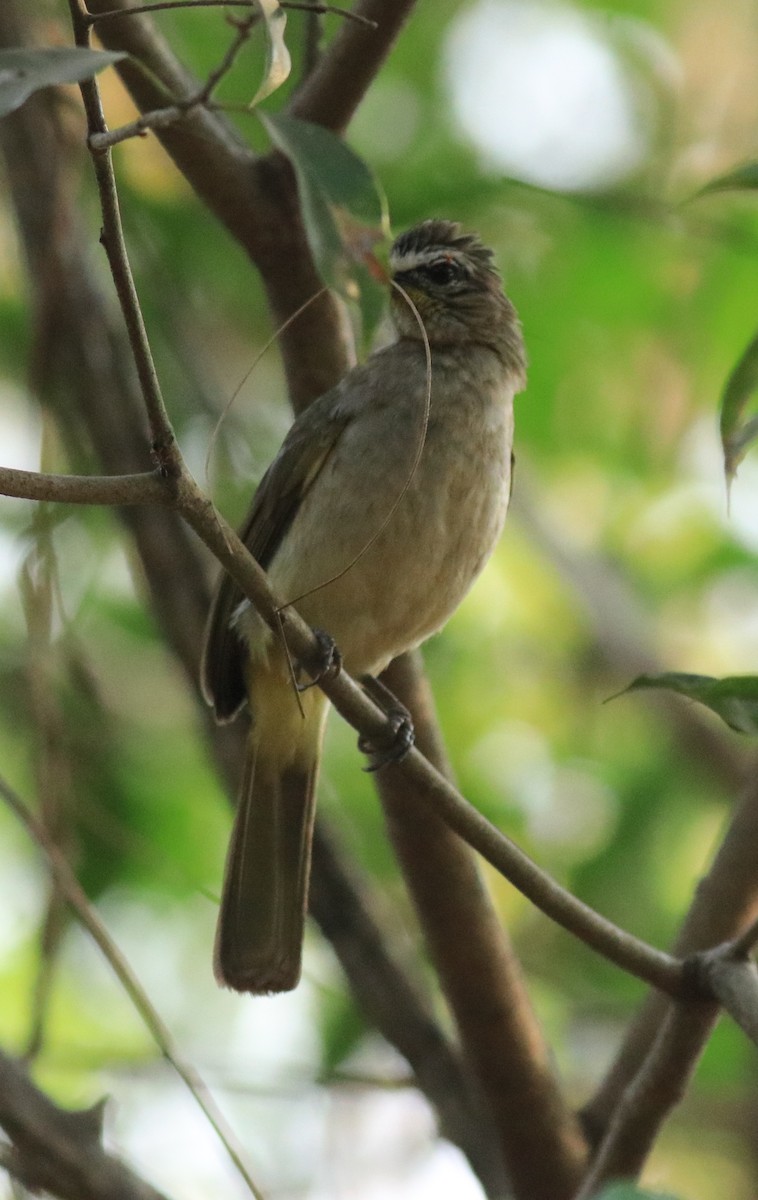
<point x="344" y="209"/>
<point x="278" y="61"/>
<point x="734" y="698"/>
<point x="744" y="178"/>
<point x="737" y="433"/>
<point x="23" y="71"/>
<point x="628" y="1191"/>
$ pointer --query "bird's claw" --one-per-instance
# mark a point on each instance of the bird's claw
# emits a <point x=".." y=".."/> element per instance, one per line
<point x="326" y="664"/>
<point x="399" y="737"/>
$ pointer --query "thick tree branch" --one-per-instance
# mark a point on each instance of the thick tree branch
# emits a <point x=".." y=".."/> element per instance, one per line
<point x="657" y="1087"/>
<point x="59" y="1151"/>
<point x="332" y="92"/>
<point x="726" y="901"/>
<point x="390" y="1001"/>
<point x="480" y="975"/>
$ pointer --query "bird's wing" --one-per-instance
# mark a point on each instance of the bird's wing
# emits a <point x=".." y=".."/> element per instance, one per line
<point x="308" y="445"/>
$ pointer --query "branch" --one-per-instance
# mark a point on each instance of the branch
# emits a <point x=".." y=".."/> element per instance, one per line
<point x="57" y="1150"/>
<point x="332" y="92"/>
<point x="161" y="118"/>
<point x="255" y="199"/>
<point x="659" y="1085"/>
<point x="404" y="1016"/>
<point x="112" y="238"/>
<point x="289" y="5"/>
<point x="198" y="511"/>
<point x="74" y="895"/>
<point x="478" y="970"/>
<point x="619" y="947"/>
<point x="726" y="901"/>
<point x="146" y="487"/>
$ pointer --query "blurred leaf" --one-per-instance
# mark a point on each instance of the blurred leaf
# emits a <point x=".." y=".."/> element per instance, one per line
<point x="344" y="209"/>
<point x="23" y="72"/>
<point x="278" y="62"/>
<point x="736" y="434"/>
<point x="734" y="698"/>
<point x="742" y="179"/>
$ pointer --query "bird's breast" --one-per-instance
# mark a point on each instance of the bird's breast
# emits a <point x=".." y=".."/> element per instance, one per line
<point x="388" y="541"/>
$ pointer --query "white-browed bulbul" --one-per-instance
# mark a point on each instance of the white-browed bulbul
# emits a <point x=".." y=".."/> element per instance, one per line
<point x="341" y="468"/>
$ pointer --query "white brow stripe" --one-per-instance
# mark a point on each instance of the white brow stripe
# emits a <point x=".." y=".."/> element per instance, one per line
<point x="413" y="259"/>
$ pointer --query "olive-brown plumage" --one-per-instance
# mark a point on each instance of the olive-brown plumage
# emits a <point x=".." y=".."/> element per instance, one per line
<point x="338" y="474"/>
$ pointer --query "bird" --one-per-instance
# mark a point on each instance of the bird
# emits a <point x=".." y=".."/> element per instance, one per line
<point x="380" y="509"/>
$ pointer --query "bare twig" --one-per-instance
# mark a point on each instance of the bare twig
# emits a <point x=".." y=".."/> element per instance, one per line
<point x="163" y="443"/>
<point x="292" y="5"/>
<point x="255" y="199"/>
<point x="146" y="487"/>
<point x="649" y="1098"/>
<point x="59" y="1151"/>
<point x="394" y="1004"/>
<point x="479" y="972"/>
<point x="332" y="92"/>
<point x="86" y="914"/>
<point x="726" y="901"/>
<point x="162" y="117"/>
<point x="622" y="948"/>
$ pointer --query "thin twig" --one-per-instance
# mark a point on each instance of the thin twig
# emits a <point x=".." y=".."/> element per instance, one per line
<point x="90" y="920"/>
<point x="266" y="346"/>
<point x="163" y="441"/>
<point x="162" y="5"/>
<point x="160" y="118"/>
<point x="145" y="487"/>
<point x="332" y="92"/>
<point x="658" y="1086"/>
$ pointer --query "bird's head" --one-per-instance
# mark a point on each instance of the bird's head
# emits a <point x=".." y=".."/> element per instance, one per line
<point x="454" y="284"/>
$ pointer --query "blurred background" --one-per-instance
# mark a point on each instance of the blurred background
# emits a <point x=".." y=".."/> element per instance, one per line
<point x="574" y="138"/>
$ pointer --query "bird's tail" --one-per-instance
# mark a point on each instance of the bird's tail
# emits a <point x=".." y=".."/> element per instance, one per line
<point x="259" y="935"/>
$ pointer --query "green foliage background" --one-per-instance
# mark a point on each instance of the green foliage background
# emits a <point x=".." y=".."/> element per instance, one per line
<point x="636" y="305"/>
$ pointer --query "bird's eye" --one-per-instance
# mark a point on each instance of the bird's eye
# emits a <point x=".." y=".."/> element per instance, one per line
<point x="443" y="271"/>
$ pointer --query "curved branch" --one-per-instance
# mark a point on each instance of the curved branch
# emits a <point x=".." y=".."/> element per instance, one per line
<point x="656" y="1089"/>
<point x="332" y="92"/>
<point x="75" y="896"/>
<point x="254" y="198"/>
<point x="726" y="901"/>
<point x="478" y="969"/>
<point x="600" y="934"/>
<point x="145" y="487"/>
<point x="59" y="1151"/>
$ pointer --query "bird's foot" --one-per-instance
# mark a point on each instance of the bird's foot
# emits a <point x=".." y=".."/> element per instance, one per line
<point x="327" y="662"/>
<point x="399" y="737"/>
